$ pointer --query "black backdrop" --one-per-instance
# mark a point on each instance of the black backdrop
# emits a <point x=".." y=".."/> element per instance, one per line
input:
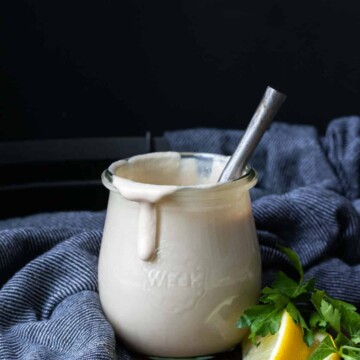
<point x="79" y="68"/>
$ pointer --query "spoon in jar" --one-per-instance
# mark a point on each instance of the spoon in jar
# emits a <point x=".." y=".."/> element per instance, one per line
<point x="265" y="112"/>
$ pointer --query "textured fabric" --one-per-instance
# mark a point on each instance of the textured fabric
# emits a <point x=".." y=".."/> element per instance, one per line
<point x="49" y="305"/>
<point x="307" y="197"/>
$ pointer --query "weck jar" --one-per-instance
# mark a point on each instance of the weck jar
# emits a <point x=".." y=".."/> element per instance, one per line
<point x="179" y="259"/>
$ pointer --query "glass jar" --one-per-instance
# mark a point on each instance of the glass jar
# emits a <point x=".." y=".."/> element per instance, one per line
<point x="179" y="259"/>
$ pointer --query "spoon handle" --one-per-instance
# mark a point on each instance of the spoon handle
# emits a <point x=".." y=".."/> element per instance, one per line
<point x="265" y="112"/>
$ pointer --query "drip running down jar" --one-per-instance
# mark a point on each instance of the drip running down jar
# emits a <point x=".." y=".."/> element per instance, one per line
<point x="179" y="259"/>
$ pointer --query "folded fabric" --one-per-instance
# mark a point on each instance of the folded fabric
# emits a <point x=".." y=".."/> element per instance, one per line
<point x="307" y="197"/>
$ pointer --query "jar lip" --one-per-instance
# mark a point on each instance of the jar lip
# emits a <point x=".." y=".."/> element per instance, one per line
<point x="248" y="178"/>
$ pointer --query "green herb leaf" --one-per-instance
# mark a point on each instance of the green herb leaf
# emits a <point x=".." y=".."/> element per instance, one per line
<point x="294" y="260"/>
<point x="341" y="340"/>
<point x="350" y="353"/>
<point x="325" y="348"/>
<point x="298" y="318"/>
<point x="330" y="314"/>
<point x="356" y="338"/>
<point x="350" y="319"/>
<point x="288" y="286"/>
<point x="316" y="299"/>
<point x="308" y="337"/>
<point x="310" y="285"/>
<point x="304" y="303"/>
<point x="317" y="322"/>
<point x="273" y="296"/>
<point x="262" y="320"/>
<point x="327" y="312"/>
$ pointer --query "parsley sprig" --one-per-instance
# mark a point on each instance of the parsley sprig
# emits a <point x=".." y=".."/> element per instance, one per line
<point x="313" y="309"/>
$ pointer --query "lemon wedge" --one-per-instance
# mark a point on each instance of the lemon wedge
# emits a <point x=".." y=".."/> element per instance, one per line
<point x="286" y="344"/>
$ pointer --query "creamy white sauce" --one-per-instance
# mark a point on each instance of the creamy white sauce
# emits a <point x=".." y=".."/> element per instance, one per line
<point x="147" y="179"/>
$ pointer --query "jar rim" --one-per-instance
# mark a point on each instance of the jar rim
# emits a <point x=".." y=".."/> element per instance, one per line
<point x="247" y="179"/>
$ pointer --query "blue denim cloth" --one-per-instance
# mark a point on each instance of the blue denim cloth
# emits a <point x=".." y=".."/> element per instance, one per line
<point x="307" y="197"/>
<point x="49" y="305"/>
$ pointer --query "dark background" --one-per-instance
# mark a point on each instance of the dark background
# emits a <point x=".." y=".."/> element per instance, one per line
<point x="73" y="69"/>
<point x="84" y="68"/>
